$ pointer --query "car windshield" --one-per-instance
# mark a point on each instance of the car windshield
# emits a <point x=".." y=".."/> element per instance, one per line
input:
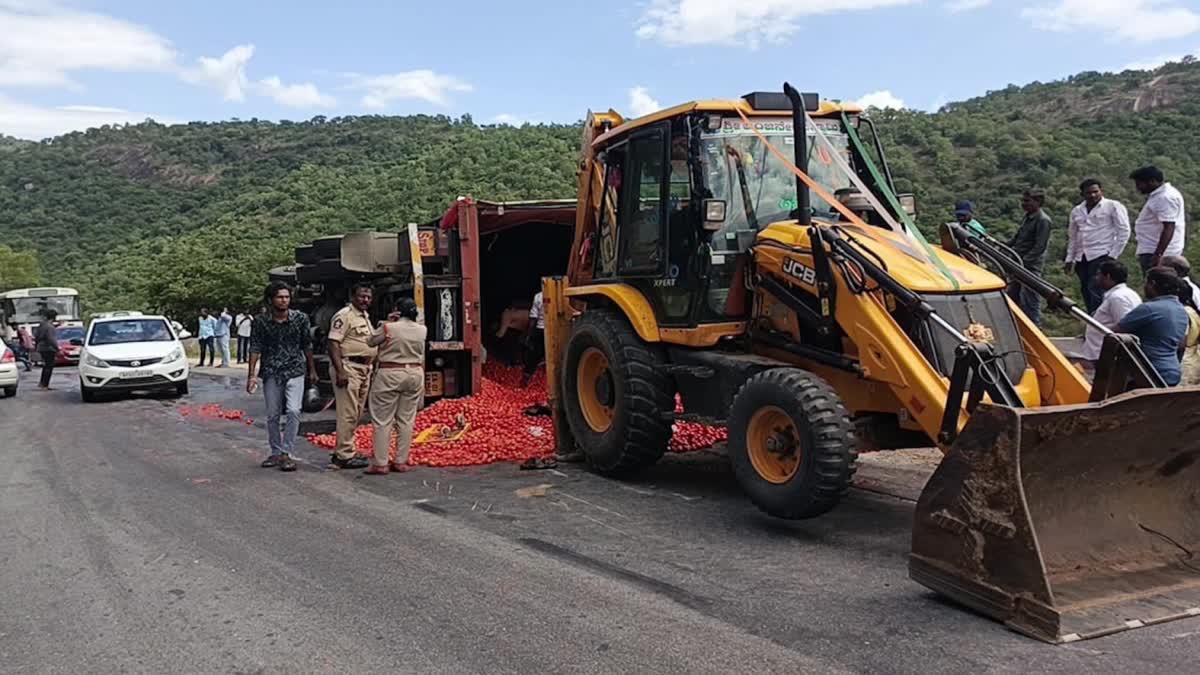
<point x="29" y="310"/>
<point x="133" y="330"/>
<point x="757" y="186"/>
<point x="69" y="333"/>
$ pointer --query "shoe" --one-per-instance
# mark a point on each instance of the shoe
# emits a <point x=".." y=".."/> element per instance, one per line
<point x="375" y="470"/>
<point x="286" y="463"/>
<point x="271" y="462"/>
<point x="397" y="468"/>
<point x="354" y="462"/>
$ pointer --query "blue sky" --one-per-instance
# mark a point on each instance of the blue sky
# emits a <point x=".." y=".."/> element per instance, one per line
<point x="70" y="64"/>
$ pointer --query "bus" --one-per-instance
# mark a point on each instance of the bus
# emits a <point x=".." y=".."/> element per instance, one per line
<point x="23" y="307"/>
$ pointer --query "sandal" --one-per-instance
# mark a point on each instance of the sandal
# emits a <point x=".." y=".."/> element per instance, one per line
<point x="376" y="470"/>
<point x="270" y="462"/>
<point x="398" y="468"/>
<point x="287" y="464"/>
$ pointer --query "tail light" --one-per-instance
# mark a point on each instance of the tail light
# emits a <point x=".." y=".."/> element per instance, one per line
<point x="8" y="356"/>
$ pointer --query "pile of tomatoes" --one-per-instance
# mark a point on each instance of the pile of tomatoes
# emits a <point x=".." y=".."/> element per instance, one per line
<point x="499" y="430"/>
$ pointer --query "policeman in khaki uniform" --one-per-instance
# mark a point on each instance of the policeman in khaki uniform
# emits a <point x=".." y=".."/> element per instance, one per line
<point x="399" y="386"/>
<point x="351" y="357"/>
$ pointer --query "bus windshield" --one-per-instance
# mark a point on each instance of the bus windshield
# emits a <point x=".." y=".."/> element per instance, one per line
<point x="757" y="186"/>
<point x="29" y="310"/>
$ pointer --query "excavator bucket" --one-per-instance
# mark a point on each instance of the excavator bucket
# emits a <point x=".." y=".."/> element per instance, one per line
<point x="1069" y="522"/>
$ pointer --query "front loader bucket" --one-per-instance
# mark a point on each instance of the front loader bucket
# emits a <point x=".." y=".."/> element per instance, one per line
<point x="1069" y="522"/>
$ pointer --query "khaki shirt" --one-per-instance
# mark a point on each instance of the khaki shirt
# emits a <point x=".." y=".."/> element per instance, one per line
<point x="352" y="329"/>
<point x="405" y="342"/>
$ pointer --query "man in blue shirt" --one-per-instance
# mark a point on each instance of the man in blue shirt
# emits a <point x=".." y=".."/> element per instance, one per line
<point x="1160" y="323"/>
<point x="206" y="335"/>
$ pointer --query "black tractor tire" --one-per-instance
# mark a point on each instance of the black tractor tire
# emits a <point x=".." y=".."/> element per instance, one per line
<point x="641" y="395"/>
<point x="181" y="389"/>
<point x="776" y="415"/>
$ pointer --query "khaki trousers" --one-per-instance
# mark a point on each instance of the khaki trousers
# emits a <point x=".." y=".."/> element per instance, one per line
<point x="349" y="401"/>
<point x="396" y="396"/>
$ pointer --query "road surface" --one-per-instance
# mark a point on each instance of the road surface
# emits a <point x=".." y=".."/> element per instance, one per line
<point x="135" y="539"/>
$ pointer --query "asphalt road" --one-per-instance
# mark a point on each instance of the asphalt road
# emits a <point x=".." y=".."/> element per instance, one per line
<point x="134" y="539"/>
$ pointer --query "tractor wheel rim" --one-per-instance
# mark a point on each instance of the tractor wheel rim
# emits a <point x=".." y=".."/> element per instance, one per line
<point x="772" y="442"/>
<point x="595" y="376"/>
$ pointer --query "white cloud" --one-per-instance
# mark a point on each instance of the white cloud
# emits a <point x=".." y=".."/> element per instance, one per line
<point x="706" y="22"/>
<point x="226" y="73"/>
<point x="641" y="103"/>
<point x="959" y="6"/>
<point x="42" y="43"/>
<point x="1155" y="62"/>
<point x="881" y="99"/>
<point x="294" y="95"/>
<point x="423" y="85"/>
<point x="25" y="120"/>
<point x="514" y="120"/>
<point x="1127" y="20"/>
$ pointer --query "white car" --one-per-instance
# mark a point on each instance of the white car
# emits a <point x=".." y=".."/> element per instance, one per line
<point x="9" y="374"/>
<point x="131" y="353"/>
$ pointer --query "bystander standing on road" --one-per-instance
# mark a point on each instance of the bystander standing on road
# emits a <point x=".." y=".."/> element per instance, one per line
<point x="205" y="335"/>
<point x="45" y="338"/>
<point x="242" y="324"/>
<point x="535" y="339"/>
<point x="1117" y="300"/>
<point x="1160" y="227"/>
<point x="1098" y="231"/>
<point x="1030" y="243"/>
<point x="964" y="213"/>
<point x="351" y="357"/>
<point x="281" y="350"/>
<point x="221" y="334"/>
<point x="1160" y="323"/>
<point x="398" y="388"/>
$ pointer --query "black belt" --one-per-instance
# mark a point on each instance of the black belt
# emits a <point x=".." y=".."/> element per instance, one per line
<point x="365" y="360"/>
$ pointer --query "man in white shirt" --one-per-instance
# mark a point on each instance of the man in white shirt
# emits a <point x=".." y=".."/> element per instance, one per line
<point x="535" y="339"/>
<point x="1160" y="226"/>
<point x="1098" y="231"/>
<point x="1118" y="300"/>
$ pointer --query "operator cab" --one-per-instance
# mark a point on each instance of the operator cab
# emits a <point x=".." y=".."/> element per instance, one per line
<point x="688" y="190"/>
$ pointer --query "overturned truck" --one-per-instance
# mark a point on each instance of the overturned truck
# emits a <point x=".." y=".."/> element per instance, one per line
<point x="464" y="268"/>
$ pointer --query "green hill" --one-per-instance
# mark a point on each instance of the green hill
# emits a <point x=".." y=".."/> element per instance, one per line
<point x="173" y="217"/>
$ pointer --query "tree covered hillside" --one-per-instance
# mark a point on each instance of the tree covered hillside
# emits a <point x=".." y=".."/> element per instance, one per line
<point x="151" y="216"/>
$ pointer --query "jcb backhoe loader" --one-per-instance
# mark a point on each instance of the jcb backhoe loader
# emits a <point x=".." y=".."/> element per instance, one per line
<point x="790" y="296"/>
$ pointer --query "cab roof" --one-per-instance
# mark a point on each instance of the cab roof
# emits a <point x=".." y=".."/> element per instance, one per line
<point x="623" y="126"/>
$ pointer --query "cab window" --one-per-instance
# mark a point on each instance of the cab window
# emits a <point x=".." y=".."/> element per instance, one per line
<point x="641" y="214"/>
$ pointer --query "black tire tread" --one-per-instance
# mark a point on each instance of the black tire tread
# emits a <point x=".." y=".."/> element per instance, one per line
<point x="829" y="458"/>
<point x="649" y="393"/>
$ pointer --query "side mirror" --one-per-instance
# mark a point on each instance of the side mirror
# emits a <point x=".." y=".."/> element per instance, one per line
<point x="76" y="342"/>
<point x="714" y="214"/>
<point x="909" y="203"/>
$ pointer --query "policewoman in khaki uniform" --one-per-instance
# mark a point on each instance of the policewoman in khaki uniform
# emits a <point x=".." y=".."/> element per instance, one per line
<point x="399" y="386"/>
<point x="351" y="357"/>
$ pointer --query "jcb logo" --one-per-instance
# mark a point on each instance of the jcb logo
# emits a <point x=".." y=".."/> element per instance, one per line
<point x="800" y="272"/>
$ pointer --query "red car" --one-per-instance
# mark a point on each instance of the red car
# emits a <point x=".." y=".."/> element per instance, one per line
<point x="68" y="354"/>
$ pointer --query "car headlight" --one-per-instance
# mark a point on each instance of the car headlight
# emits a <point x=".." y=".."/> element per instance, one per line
<point x="94" y="362"/>
<point x="175" y="355"/>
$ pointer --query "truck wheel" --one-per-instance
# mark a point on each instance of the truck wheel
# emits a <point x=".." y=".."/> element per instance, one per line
<point x="791" y="443"/>
<point x="619" y="402"/>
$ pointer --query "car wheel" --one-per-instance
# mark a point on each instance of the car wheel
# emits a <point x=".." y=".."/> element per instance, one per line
<point x="87" y="395"/>
<point x="181" y="389"/>
<point x="10" y="392"/>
